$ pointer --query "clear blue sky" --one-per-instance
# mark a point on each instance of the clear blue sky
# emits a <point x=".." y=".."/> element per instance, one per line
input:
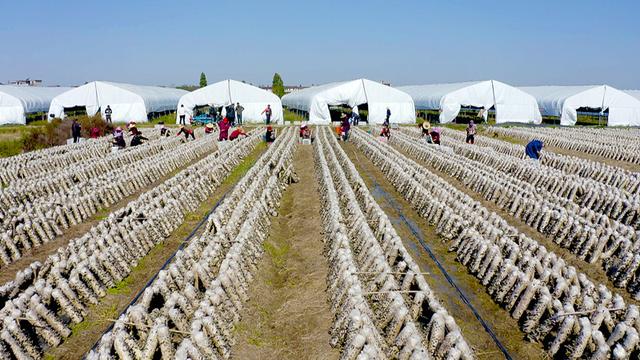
<point x="161" y="42"/>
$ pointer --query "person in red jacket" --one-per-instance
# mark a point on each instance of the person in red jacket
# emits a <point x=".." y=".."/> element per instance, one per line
<point x="237" y="133"/>
<point x="94" y="133"/>
<point x="224" y="129"/>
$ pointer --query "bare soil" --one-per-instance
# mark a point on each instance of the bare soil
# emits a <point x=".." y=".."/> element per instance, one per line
<point x="288" y="316"/>
<point x="100" y="316"/>
<point x="499" y="320"/>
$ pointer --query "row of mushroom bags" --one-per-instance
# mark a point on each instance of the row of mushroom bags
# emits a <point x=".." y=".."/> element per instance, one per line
<point x="382" y="102"/>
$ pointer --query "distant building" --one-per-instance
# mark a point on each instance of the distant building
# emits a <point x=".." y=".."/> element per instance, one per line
<point x="26" y="82"/>
<point x="287" y="88"/>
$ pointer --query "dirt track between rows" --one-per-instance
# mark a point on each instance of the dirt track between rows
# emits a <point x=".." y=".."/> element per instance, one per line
<point x="288" y="316"/>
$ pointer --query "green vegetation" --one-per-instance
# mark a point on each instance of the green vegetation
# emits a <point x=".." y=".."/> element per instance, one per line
<point x="188" y="87"/>
<point x="203" y="80"/>
<point x="293" y="116"/>
<point x="277" y="87"/>
<point x="10" y="147"/>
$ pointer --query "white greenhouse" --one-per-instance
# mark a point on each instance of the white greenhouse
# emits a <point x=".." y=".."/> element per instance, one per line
<point x="18" y="101"/>
<point x="634" y="93"/>
<point x="253" y="99"/>
<point x="511" y="105"/>
<point x="128" y="102"/>
<point x="378" y="97"/>
<point x="564" y="101"/>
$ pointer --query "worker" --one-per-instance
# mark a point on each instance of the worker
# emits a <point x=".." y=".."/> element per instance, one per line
<point x="223" y="126"/>
<point x="355" y="117"/>
<point x="213" y="114"/>
<point x="435" y="136"/>
<point x="94" y="133"/>
<point x="208" y="129"/>
<point x="107" y="114"/>
<point x="388" y="115"/>
<point x="533" y="149"/>
<point x="239" y="110"/>
<point x="270" y="135"/>
<point x="231" y="114"/>
<point x="187" y="133"/>
<point x="386" y="132"/>
<point x="76" y="129"/>
<point x="182" y="114"/>
<point x="426" y="128"/>
<point x="305" y="132"/>
<point x="137" y="139"/>
<point x="118" y="138"/>
<point x="164" y="131"/>
<point x="471" y="133"/>
<point x="267" y="112"/>
<point x="133" y="129"/>
<point x="238" y="132"/>
<point x="345" y="127"/>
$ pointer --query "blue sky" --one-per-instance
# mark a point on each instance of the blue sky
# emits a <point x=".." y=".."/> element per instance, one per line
<point x="69" y="42"/>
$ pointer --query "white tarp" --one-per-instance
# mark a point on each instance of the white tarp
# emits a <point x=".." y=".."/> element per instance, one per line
<point x="253" y="99"/>
<point x="510" y="104"/>
<point x="563" y="101"/>
<point x="128" y="102"/>
<point x="316" y="101"/>
<point x="17" y="101"/>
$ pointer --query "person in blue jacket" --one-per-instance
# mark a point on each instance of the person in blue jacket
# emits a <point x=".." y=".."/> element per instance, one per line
<point x="533" y="149"/>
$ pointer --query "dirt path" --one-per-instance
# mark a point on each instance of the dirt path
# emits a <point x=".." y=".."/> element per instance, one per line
<point x="618" y="163"/>
<point x="85" y="334"/>
<point x="594" y="271"/>
<point x="288" y="316"/>
<point x="41" y="253"/>
<point x="404" y="218"/>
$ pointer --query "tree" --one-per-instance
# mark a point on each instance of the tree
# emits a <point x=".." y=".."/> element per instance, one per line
<point x="277" y="87"/>
<point x="203" y="80"/>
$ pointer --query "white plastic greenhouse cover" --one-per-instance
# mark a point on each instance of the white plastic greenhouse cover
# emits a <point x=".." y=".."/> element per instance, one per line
<point x="253" y="99"/>
<point x="17" y="101"/>
<point x="128" y="102"/>
<point x="634" y="93"/>
<point x="316" y="101"/>
<point x="511" y="104"/>
<point x="563" y="101"/>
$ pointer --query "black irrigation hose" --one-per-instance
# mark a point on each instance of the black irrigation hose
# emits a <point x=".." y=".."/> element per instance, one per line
<point x="426" y="247"/>
<point x="182" y="245"/>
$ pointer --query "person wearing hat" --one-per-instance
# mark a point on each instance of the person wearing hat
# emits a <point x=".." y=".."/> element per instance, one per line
<point x="305" y="132"/>
<point x="208" y="129"/>
<point x="186" y="132"/>
<point x="118" y="138"/>
<point x="270" y="135"/>
<point x="435" y="136"/>
<point x="346" y="126"/>
<point x="426" y="128"/>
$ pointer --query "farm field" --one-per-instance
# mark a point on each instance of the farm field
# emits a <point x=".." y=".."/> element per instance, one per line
<point x="363" y="248"/>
